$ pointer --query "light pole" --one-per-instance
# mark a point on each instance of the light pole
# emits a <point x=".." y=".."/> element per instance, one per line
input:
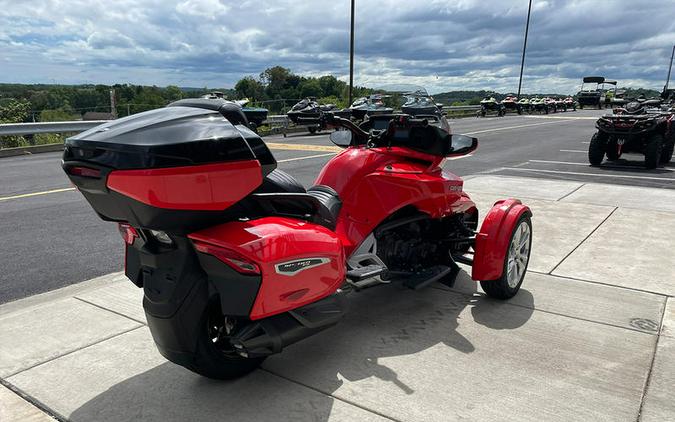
<point x="351" y="57"/>
<point x="522" y="61"/>
<point x="669" y="69"/>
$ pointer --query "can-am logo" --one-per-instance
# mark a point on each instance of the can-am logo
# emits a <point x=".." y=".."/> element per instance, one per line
<point x="294" y="267"/>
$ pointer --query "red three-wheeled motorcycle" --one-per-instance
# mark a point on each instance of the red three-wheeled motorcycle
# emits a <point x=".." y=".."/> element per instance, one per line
<point x="237" y="260"/>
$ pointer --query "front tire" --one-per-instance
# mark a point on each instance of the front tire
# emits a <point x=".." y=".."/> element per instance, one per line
<point x="653" y="151"/>
<point x="596" y="149"/>
<point x="515" y="262"/>
<point x="215" y="357"/>
<point x="667" y="152"/>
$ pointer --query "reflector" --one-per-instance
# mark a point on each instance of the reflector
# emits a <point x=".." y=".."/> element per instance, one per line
<point x="236" y="261"/>
<point x="129" y="234"/>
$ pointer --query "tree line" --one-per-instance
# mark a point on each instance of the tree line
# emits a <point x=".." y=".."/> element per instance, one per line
<point x="276" y="88"/>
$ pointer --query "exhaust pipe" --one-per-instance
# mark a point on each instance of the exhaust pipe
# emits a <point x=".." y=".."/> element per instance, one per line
<point x="270" y="335"/>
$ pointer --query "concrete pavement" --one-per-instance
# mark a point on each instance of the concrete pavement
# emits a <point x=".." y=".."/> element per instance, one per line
<point x="591" y="336"/>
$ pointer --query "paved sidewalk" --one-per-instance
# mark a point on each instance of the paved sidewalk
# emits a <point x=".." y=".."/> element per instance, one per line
<point x="590" y="337"/>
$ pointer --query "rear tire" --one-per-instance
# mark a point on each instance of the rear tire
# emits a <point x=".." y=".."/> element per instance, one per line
<point x="596" y="149"/>
<point x="212" y="359"/>
<point x="653" y="151"/>
<point x="312" y="130"/>
<point x="515" y="263"/>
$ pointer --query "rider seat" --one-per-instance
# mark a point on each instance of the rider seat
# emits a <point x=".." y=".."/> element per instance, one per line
<point x="281" y="194"/>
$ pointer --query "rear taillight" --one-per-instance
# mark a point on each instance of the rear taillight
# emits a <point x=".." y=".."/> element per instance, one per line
<point x="84" y="172"/>
<point x="129" y="234"/>
<point x="236" y="261"/>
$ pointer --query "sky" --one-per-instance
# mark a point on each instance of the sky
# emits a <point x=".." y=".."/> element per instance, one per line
<point x="441" y="45"/>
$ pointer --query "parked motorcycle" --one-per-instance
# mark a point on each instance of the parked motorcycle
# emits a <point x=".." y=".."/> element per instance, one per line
<point x="237" y="260"/>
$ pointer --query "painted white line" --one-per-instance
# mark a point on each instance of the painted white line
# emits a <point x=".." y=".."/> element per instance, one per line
<point x="575" y="173"/>
<point x="585" y="142"/>
<point x="460" y="157"/>
<point x="305" y="157"/>
<point x="606" y="166"/>
<point x="559" y="162"/>
<point x="564" y="117"/>
<point x="573" y="150"/>
<point x="512" y="127"/>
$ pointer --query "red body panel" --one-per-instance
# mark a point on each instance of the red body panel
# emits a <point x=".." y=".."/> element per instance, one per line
<point x="493" y="240"/>
<point x="374" y="183"/>
<point x="204" y="187"/>
<point x="275" y="240"/>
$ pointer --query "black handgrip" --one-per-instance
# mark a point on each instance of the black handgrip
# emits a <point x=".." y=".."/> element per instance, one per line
<point x="330" y="119"/>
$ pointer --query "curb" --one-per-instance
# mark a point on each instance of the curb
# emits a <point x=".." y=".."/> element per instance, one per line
<point x="35" y="149"/>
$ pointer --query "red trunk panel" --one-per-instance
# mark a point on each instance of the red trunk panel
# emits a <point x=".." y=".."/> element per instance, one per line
<point x="204" y="187"/>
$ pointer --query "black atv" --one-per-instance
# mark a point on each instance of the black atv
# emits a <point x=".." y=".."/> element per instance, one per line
<point x="634" y="128"/>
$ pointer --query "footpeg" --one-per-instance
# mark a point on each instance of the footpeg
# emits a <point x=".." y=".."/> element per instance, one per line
<point x="362" y="273"/>
<point x="368" y="276"/>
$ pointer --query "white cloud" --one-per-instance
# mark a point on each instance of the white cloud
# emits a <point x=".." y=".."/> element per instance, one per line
<point x="466" y="44"/>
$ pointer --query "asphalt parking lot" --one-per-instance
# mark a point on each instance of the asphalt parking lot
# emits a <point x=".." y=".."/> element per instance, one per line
<point x="589" y="337"/>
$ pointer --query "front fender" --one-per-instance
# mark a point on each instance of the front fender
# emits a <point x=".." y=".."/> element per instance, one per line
<point x="493" y="239"/>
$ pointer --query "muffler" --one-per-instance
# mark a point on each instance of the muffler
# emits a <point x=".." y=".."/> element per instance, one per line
<point x="270" y="335"/>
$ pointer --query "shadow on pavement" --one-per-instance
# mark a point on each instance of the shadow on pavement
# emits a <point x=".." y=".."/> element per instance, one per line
<point x="386" y="322"/>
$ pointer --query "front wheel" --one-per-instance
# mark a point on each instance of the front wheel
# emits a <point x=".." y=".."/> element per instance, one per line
<point x="667" y="152"/>
<point x="515" y="262"/>
<point x="596" y="149"/>
<point x="215" y="357"/>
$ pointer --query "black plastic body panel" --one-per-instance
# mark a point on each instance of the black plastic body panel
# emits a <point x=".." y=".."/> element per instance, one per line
<point x="237" y="291"/>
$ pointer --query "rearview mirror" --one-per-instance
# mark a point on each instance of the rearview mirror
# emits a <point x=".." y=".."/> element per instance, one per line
<point x="341" y="138"/>
<point x="462" y="145"/>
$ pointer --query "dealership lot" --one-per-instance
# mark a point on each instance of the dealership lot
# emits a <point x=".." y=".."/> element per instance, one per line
<point x="591" y="336"/>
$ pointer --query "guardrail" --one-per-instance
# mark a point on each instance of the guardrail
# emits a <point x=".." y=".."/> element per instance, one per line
<point x="7" y="129"/>
<point x="47" y="127"/>
<point x="461" y="108"/>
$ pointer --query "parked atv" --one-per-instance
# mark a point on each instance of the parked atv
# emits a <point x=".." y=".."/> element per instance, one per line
<point x="489" y="105"/>
<point x="551" y="104"/>
<point x="633" y="129"/>
<point x="237" y="260"/>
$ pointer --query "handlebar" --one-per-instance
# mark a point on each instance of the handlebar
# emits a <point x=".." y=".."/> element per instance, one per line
<point x="400" y="122"/>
